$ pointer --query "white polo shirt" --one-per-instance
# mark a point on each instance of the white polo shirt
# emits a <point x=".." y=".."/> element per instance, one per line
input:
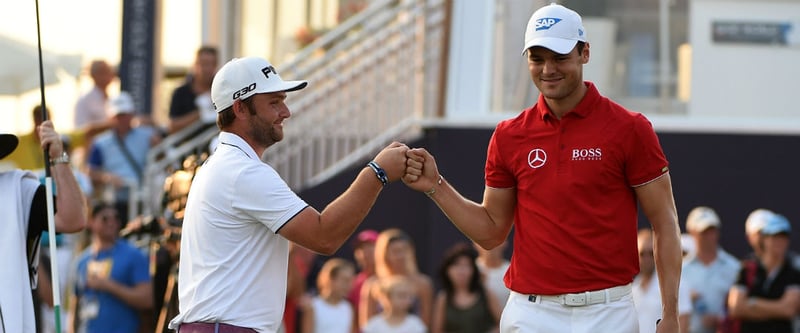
<point x="648" y="302"/>
<point x="233" y="264"/>
<point x="712" y="282"/>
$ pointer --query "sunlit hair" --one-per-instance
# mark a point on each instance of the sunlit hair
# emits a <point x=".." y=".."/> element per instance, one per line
<point x="385" y="238"/>
<point x="330" y="270"/>
<point x="390" y="284"/>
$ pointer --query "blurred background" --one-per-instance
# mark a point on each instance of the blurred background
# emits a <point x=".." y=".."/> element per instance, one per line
<point x="717" y="78"/>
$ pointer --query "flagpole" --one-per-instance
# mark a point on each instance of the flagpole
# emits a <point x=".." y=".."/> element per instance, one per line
<point x="48" y="181"/>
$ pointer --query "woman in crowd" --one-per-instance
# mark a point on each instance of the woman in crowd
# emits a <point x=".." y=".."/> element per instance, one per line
<point x="463" y="305"/>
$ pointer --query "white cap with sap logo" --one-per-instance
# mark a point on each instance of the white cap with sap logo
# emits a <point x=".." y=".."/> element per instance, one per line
<point x="241" y="78"/>
<point x="555" y="27"/>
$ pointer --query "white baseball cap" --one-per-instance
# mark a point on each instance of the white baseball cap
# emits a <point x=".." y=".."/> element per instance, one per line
<point x="241" y="78"/>
<point x="555" y="27"/>
<point x="757" y="220"/>
<point x="123" y="104"/>
<point x="702" y="218"/>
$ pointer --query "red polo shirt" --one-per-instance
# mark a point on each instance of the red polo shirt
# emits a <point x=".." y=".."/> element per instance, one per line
<point x="576" y="213"/>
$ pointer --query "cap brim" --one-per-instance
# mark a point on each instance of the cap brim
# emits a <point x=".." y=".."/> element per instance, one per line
<point x="287" y="86"/>
<point x="703" y="226"/>
<point x="557" y="45"/>
<point x="8" y="142"/>
<point x="775" y="232"/>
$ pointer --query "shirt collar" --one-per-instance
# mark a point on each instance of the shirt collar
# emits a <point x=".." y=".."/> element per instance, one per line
<point x="228" y="138"/>
<point x="584" y="107"/>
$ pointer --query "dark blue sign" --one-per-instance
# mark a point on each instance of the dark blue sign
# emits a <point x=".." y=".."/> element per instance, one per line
<point x="751" y="32"/>
<point x="138" y="49"/>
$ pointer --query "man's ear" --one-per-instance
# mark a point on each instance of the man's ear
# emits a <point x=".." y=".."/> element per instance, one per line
<point x="239" y="108"/>
<point x="585" y="54"/>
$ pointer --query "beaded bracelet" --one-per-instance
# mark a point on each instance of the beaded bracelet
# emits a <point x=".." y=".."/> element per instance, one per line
<point x="379" y="172"/>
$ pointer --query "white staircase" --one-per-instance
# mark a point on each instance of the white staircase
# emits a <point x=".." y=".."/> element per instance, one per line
<point x="371" y="80"/>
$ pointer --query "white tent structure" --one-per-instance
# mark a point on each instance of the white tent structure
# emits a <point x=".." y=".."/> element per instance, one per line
<point x="19" y="66"/>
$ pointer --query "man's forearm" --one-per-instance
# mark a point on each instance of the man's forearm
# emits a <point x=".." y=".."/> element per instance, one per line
<point x="667" y="251"/>
<point x="70" y="201"/>
<point x="342" y="216"/>
<point x="471" y="218"/>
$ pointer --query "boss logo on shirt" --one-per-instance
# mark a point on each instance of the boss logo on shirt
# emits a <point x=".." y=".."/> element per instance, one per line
<point x="587" y="154"/>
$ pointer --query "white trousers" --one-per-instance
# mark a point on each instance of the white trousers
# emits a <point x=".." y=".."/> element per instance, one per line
<point x="521" y="315"/>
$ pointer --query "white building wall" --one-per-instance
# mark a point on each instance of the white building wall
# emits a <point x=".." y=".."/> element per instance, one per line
<point x="740" y="79"/>
<point x="469" y="73"/>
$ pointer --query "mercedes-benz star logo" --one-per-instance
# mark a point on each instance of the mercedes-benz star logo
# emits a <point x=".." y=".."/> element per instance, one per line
<point x="536" y="158"/>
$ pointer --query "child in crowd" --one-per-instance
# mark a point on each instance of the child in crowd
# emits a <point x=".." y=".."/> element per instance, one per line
<point x="330" y="312"/>
<point x="395" y="256"/>
<point x="396" y="296"/>
<point x="463" y="305"/>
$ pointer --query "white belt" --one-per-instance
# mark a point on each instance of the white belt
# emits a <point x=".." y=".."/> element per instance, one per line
<point x="612" y="294"/>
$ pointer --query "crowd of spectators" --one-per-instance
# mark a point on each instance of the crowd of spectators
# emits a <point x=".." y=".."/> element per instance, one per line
<point x="109" y="282"/>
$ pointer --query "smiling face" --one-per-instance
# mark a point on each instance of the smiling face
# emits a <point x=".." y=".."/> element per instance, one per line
<point x="559" y="77"/>
<point x="266" y="115"/>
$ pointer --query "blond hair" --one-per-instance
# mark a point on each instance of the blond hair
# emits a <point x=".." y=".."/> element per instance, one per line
<point x="385" y="238"/>
<point x="390" y="284"/>
<point x="330" y="270"/>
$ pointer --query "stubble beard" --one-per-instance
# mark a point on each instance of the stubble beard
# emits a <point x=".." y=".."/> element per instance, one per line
<point x="266" y="135"/>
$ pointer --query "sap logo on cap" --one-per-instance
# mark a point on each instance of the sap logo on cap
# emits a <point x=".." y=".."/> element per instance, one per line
<point x="554" y="27"/>
<point x="546" y="22"/>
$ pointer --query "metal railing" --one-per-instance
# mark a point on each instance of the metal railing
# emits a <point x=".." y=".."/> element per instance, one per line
<point x="371" y="80"/>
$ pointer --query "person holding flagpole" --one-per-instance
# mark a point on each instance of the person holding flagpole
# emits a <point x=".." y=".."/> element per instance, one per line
<point x="23" y="210"/>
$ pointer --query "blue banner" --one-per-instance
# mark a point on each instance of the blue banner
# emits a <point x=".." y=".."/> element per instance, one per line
<point x="136" y="64"/>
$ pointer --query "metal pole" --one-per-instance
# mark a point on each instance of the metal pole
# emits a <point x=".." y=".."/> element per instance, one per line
<point x="51" y="226"/>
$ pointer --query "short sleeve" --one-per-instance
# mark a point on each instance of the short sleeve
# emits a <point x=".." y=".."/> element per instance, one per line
<point x="265" y="197"/>
<point x="497" y="173"/>
<point x="645" y="159"/>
